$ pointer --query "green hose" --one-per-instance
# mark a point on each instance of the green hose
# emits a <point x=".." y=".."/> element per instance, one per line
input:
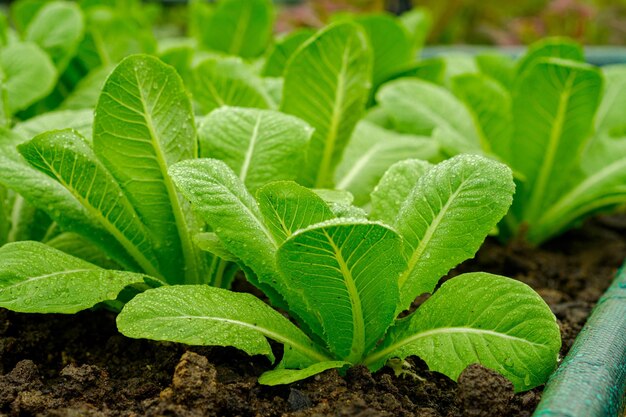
<point x="591" y="381"/>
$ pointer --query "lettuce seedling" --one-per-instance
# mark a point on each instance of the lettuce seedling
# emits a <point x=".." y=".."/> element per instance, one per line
<point x="554" y="124"/>
<point x="114" y="191"/>
<point x="345" y="280"/>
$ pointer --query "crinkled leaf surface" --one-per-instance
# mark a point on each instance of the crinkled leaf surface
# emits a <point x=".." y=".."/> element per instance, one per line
<point x="481" y="318"/>
<point x="65" y="156"/>
<point x="447" y="216"/>
<point x="239" y="27"/>
<point x="288" y="207"/>
<point x="223" y="201"/>
<point x="144" y="124"/>
<point x="219" y="196"/>
<point x="259" y="145"/>
<point x="203" y="315"/>
<point x="347" y="272"/>
<point x="35" y="278"/>
<point x="394" y="188"/>
<point x="327" y="84"/>
<point x="49" y="195"/>
<point x="371" y="151"/>
<point x="553" y="110"/>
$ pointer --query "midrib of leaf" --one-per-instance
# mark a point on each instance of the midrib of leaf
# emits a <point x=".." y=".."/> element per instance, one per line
<point x="566" y="202"/>
<point x="192" y="271"/>
<point x="53" y="274"/>
<point x="444" y="330"/>
<point x="430" y="231"/>
<point x="331" y="137"/>
<point x="539" y="188"/>
<point x="250" y="151"/>
<point x="358" y="324"/>
<point x="357" y="167"/>
<point x="254" y="216"/>
<point x="145" y="264"/>
<point x="15" y="218"/>
<point x="281" y="218"/>
<point x="242" y="25"/>
<point x="306" y="350"/>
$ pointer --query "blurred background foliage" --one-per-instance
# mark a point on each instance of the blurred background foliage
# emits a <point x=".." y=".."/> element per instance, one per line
<point x="485" y="22"/>
<point x="495" y="22"/>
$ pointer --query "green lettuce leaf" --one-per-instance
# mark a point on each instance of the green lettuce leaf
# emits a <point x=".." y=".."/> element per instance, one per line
<point x="347" y="272"/>
<point x="203" y="315"/>
<point x="327" y="84"/>
<point x="65" y="156"/>
<point x="218" y="82"/>
<point x="371" y="151"/>
<point x="259" y="145"/>
<point x="35" y="278"/>
<point x="144" y="124"/>
<point x="28" y="74"/>
<point x="479" y="318"/>
<point x="553" y="109"/>
<point x="239" y="27"/>
<point x="447" y="216"/>
<point x="288" y="207"/>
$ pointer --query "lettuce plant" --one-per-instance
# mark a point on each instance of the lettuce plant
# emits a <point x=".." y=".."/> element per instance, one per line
<point x="555" y="124"/>
<point x="345" y="280"/>
<point x="116" y="225"/>
<point x="111" y="197"/>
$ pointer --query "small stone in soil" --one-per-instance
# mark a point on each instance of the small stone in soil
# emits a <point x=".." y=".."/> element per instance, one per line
<point x="483" y="392"/>
<point x="298" y="400"/>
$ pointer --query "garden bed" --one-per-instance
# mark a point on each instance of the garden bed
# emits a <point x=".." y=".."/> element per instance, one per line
<point x="80" y="365"/>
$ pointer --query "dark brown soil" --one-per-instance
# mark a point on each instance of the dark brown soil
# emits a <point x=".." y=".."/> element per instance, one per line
<point x="79" y="365"/>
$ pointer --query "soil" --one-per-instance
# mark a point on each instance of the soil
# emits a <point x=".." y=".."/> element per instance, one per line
<point x="54" y="365"/>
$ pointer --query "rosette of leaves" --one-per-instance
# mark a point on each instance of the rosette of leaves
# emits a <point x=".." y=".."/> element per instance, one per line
<point x="552" y="118"/>
<point x="110" y="202"/>
<point x="345" y="280"/>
